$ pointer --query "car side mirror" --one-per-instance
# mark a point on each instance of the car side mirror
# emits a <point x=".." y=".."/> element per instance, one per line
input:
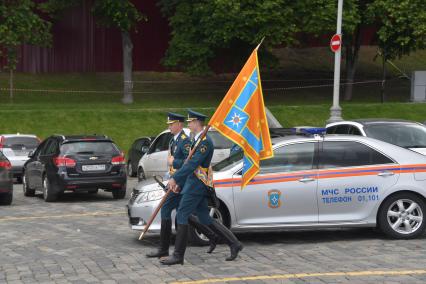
<point x="145" y="149"/>
<point x="31" y="154"/>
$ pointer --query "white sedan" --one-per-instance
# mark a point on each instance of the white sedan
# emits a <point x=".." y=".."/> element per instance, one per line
<point x="154" y="162"/>
<point x="315" y="182"/>
<point x="404" y="133"/>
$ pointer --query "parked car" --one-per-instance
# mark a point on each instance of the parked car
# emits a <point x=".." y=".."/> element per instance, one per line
<point x="314" y="182"/>
<point x="6" y="181"/>
<point x="404" y="133"/>
<point x="16" y="148"/>
<point x="75" y="163"/>
<point x="139" y="147"/>
<point x="154" y="162"/>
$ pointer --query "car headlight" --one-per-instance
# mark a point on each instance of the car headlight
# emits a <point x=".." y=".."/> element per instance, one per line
<point x="150" y="196"/>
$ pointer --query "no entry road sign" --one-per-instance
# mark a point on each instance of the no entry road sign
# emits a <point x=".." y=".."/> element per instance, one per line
<point x="336" y="42"/>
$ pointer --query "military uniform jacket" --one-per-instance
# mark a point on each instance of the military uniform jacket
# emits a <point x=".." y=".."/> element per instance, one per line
<point x="185" y="176"/>
<point x="179" y="149"/>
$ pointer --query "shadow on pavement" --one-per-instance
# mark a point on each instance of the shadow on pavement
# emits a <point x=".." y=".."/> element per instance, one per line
<point x="71" y="197"/>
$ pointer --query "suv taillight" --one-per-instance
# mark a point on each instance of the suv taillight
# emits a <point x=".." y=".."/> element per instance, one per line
<point x="6" y="165"/>
<point x="63" y="161"/>
<point x="118" y="160"/>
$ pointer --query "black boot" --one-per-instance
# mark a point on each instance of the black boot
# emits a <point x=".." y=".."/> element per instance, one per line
<point x="180" y="247"/>
<point x="205" y="230"/>
<point x="223" y="232"/>
<point x="165" y="235"/>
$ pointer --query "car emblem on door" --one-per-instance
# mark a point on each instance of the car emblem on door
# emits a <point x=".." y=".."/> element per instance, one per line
<point x="274" y="199"/>
<point x="93" y="158"/>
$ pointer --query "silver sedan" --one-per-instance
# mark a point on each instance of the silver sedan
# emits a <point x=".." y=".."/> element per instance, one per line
<point x="315" y="182"/>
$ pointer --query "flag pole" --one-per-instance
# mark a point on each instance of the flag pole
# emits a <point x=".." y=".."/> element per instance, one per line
<point x="261" y="41"/>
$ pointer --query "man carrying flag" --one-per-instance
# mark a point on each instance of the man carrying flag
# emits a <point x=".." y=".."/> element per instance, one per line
<point x="194" y="178"/>
<point x="241" y="117"/>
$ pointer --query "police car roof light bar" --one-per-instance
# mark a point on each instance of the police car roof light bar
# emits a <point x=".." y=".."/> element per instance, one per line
<point x="313" y="131"/>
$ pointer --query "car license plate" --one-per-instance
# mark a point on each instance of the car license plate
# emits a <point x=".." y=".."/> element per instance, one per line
<point x="87" y="168"/>
<point x="21" y="153"/>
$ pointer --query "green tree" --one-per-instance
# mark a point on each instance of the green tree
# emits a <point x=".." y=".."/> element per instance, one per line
<point x="20" y="24"/>
<point x="124" y="16"/>
<point x="120" y="14"/>
<point x="200" y="29"/>
<point x="400" y="25"/>
<point x="318" y="17"/>
<point x="401" y="29"/>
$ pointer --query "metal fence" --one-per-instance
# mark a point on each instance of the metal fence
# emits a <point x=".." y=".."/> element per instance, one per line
<point x="275" y="91"/>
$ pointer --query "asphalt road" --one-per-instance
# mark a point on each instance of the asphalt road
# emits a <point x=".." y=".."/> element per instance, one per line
<point x="86" y="239"/>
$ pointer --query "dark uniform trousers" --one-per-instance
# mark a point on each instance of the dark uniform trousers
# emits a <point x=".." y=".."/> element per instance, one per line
<point x="179" y="149"/>
<point x="195" y="200"/>
<point x="194" y="192"/>
<point x="192" y="202"/>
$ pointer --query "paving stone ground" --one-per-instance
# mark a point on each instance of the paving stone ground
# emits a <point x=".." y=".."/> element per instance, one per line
<point x="87" y="245"/>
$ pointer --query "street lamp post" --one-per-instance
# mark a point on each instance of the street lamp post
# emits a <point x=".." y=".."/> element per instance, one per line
<point x="336" y="110"/>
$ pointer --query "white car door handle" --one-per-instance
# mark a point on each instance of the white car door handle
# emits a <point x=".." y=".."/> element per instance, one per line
<point x="306" y="179"/>
<point x="386" y="174"/>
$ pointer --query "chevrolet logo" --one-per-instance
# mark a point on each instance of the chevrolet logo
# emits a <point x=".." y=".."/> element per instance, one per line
<point x="93" y="158"/>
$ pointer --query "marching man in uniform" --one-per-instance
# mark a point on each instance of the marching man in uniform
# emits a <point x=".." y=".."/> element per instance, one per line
<point x="178" y="151"/>
<point x="193" y="181"/>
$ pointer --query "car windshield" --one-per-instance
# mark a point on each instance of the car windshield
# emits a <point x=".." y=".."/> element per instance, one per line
<point x="229" y="162"/>
<point x="403" y="135"/>
<point x="27" y="142"/>
<point x="220" y="141"/>
<point x="92" y="147"/>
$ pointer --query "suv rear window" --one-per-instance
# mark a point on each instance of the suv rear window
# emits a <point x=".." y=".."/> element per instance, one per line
<point x="28" y="142"/>
<point x="220" y="141"/>
<point x="404" y="134"/>
<point x="89" y="147"/>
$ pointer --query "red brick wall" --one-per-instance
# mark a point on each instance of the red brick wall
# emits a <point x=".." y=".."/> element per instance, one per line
<point x="80" y="45"/>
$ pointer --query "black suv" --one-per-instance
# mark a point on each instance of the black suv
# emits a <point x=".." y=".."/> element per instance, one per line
<point x="75" y="163"/>
<point x="6" y="181"/>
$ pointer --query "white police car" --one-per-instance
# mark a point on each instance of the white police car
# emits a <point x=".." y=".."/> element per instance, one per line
<point x="315" y="182"/>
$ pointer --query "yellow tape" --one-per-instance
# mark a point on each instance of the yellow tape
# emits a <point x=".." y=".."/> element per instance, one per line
<point x="306" y="275"/>
<point x="62" y="216"/>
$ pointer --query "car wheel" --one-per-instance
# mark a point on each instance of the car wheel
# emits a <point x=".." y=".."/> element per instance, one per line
<point x="197" y="238"/>
<point x="93" y="191"/>
<point x="6" y="199"/>
<point x="141" y="174"/>
<point x="27" y="191"/>
<point x="48" y="194"/>
<point x="119" y="193"/>
<point x="130" y="171"/>
<point x="402" y="216"/>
